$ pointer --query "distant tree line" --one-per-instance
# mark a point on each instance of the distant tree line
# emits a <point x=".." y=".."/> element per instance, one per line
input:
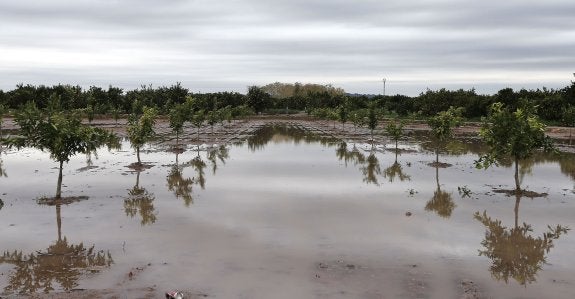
<point x="553" y="105"/>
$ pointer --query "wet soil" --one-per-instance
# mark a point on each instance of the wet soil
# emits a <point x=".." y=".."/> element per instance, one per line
<point x="239" y="129"/>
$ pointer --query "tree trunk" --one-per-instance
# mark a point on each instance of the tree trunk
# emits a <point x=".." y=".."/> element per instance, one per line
<point x="177" y="140"/>
<point x="437" y="156"/>
<point x="396" y="154"/>
<point x="517" y="185"/>
<point x="59" y="187"/>
<point x="59" y="221"/>
<point x="138" y="155"/>
<point x="516" y="210"/>
<point x="138" y="179"/>
<point x="437" y="177"/>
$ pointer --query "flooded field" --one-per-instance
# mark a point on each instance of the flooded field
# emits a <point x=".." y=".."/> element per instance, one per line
<point x="288" y="213"/>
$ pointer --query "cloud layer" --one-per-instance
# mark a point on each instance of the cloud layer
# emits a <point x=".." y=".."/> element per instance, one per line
<point x="229" y="44"/>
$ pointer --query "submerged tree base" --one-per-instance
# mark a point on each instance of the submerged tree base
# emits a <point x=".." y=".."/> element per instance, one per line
<point x="138" y="166"/>
<point x="439" y="164"/>
<point x="53" y="201"/>
<point x="521" y="193"/>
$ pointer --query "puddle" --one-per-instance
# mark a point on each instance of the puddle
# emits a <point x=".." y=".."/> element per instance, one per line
<point x="290" y="213"/>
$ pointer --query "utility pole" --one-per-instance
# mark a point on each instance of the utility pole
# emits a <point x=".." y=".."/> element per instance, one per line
<point x="384" y="86"/>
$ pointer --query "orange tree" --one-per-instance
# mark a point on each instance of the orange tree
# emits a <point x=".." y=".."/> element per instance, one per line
<point x="62" y="134"/>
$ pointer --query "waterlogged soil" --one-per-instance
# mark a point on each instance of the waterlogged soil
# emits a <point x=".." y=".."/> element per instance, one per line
<point x="281" y="208"/>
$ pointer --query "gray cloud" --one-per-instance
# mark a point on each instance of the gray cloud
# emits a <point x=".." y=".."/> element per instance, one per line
<point x="229" y="44"/>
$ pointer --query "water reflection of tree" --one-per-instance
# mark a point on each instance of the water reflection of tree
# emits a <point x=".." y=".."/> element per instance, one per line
<point x="61" y="264"/>
<point x="369" y="166"/>
<point x="298" y="134"/>
<point x="140" y="201"/>
<point x="371" y="169"/>
<point x="395" y="171"/>
<point x="441" y="202"/>
<point x="2" y="169"/>
<point x="216" y="154"/>
<point x="2" y="174"/>
<point x="513" y="252"/>
<point x="183" y="186"/>
<point x="354" y="155"/>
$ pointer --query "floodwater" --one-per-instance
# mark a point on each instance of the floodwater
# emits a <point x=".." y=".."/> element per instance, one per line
<point x="287" y="214"/>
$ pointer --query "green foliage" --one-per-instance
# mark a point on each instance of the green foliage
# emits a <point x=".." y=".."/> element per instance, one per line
<point x="212" y="118"/>
<point x="198" y="118"/>
<point x="372" y="117"/>
<point x="257" y="98"/>
<point x="343" y="112"/>
<point x="177" y="118"/>
<point x="358" y="117"/>
<point x="444" y="122"/>
<point x="551" y="103"/>
<point x="394" y="130"/>
<point x="517" y="134"/>
<point x="569" y="116"/>
<point x="241" y="111"/>
<point x="3" y="110"/>
<point x="90" y="113"/>
<point x="61" y="134"/>
<point x="141" y="129"/>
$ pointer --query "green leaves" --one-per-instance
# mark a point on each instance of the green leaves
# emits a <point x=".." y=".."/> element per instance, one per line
<point x="516" y="134"/>
<point x="141" y="128"/>
<point x="177" y="117"/>
<point x="394" y="129"/>
<point x="61" y="134"/>
<point x="443" y="123"/>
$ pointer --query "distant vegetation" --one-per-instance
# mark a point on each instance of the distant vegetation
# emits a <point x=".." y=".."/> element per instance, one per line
<point x="554" y="106"/>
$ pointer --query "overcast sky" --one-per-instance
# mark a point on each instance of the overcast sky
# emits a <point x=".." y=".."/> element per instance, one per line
<point x="226" y="45"/>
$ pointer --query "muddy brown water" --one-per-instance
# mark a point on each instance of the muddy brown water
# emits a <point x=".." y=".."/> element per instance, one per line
<point x="287" y="214"/>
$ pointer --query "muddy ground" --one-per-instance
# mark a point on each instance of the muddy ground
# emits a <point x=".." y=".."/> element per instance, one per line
<point x="237" y="130"/>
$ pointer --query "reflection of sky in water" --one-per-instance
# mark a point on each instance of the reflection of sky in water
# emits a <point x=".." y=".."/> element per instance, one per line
<point x="301" y="198"/>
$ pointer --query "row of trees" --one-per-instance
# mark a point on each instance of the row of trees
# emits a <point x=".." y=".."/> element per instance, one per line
<point x="554" y="105"/>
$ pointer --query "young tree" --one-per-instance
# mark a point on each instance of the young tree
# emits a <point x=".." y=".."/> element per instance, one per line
<point x="394" y="130"/>
<point x="198" y="119"/>
<point x="343" y="114"/>
<point x="90" y="113"/>
<point x="372" y="119"/>
<point x="177" y="119"/>
<point x="358" y="118"/>
<point x="212" y="117"/>
<point x="141" y="129"/>
<point x="116" y="115"/>
<point x="442" y="126"/>
<point x="61" y="134"/>
<point x="568" y="119"/>
<point x="3" y="111"/>
<point x="516" y="134"/>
